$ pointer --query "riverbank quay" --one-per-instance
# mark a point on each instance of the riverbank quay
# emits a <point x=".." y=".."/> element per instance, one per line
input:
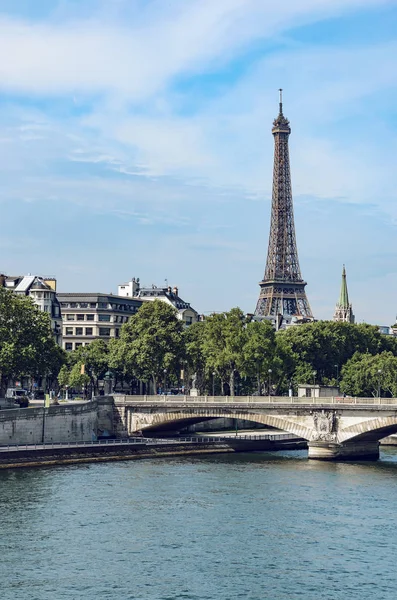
<point x="39" y="455"/>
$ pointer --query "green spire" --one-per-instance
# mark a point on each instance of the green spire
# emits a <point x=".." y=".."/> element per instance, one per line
<point x="344" y="296"/>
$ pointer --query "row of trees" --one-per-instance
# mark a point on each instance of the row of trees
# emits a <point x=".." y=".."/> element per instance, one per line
<point x="227" y="353"/>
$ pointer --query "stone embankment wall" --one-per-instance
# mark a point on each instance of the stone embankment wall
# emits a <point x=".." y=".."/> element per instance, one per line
<point x="63" y="423"/>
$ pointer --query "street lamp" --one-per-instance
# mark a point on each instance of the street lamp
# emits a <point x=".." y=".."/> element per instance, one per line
<point x="213" y="384"/>
<point x="270" y="380"/>
<point x="108" y="383"/>
<point x="165" y="381"/>
<point x="379" y="376"/>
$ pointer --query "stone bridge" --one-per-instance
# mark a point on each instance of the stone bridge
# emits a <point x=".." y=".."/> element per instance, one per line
<point x="335" y="428"/>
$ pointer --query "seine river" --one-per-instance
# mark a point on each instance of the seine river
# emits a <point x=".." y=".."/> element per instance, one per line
<point x="224" y="527"/>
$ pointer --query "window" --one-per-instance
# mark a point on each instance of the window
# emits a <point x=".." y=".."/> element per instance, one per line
<point x="78" y="344"/>
<point x="117" y="333"/>
<point x="68" y="346"/>
<point x="70" y="317"/>
<point x="79" y="331"/>
<point x="102" y="305"/>
<point x="83" y="304"/>
<point x="73" y="305"/>
<point x="189" y="320"/>
<point x="88" y="330"/>
<point x="104" y="318"/>
<point x="69" y="331"/>
<point x="105" y="331"/>
<point x="92" y="305"/>
<point x="80" y="317"/>
<point x="90" y="317"/>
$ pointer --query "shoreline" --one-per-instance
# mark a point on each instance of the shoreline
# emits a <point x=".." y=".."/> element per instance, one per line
<point x="54" y="457"/>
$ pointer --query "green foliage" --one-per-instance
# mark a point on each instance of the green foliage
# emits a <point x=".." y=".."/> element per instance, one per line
<point x="223" y="342"/>
<point x="150" y="342"/>
<point x="367" y="375"/>
<point x="27" y="345"/>
<point x="326" y="346"/>
<point x="63" y="376"/>
<point x="77" y="379"/>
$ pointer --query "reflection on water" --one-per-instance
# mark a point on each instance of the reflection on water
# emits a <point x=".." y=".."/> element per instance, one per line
<point x="247" y="526"/>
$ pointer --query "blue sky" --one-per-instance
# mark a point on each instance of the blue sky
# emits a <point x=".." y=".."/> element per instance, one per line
<point x="135" y="140"/>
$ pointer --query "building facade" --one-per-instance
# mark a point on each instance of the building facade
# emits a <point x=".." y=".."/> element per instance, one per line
<point x="343" y="309"/>
<point x="185" y="312"/>
<point x="42" y="290"/>
<point x="91" y="316"/>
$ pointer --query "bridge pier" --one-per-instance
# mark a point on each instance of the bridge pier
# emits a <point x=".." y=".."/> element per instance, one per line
<point x="363" y="450"/>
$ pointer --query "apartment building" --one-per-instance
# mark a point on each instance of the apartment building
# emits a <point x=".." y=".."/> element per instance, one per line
<point x="133" y="289"/>
<point x="42" y="290"/>
<point x="90" y="316"/>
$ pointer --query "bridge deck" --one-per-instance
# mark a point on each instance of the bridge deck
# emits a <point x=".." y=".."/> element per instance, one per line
<point x="258" y="401"/>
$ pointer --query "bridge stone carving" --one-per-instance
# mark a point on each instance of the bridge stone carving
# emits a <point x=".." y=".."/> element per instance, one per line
<point x="334" y="428"/>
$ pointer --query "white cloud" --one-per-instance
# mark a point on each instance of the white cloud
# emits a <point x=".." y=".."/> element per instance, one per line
<point x="136" y="58"/>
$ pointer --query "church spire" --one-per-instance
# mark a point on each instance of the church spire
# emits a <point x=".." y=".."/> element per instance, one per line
<point x="344" y="310"/>
<point x="344" y="296"/>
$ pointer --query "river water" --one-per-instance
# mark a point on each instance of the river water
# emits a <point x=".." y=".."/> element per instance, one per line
<point x="223" y="527"/>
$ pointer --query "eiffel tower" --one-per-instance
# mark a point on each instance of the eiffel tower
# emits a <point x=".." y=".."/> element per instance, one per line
<point x="282" y="294"/>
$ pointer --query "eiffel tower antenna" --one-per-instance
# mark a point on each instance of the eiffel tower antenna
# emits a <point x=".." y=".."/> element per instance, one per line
<point x="282" y="288"/>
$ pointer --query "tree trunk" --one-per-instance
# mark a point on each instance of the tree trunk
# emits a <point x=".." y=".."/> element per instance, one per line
<point x="231" y="382"/>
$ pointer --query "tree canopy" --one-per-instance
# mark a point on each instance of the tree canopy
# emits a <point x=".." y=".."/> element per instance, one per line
<point x="27" y="344"/>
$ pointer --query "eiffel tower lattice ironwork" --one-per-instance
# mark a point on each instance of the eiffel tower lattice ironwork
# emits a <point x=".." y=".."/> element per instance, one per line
<point x="282" y="288"/>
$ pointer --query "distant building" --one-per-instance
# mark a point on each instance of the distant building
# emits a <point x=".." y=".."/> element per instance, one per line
<point x="91" y="316"/>
<point x="344" y="310"/>
<point x="185" y="312"/>
<point x="42" y="290"/>
<point x="317" y="391"/>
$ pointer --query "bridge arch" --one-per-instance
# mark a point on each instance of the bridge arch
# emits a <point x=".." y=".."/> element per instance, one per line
<point x="371" y="430"/>
<point x="145" y="421"/>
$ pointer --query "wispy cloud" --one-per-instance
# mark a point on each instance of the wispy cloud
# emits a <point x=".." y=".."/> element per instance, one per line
<point x="147" y="124"/>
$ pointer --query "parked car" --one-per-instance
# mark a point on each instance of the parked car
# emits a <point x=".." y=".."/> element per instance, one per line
<point x="19" y="396"/>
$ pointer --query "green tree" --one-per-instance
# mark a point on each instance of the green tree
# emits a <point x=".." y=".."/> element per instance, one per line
<point x="150" y="343"/>
<point x="78" y="379"/>
<point x="366" y="375"/>
<point x="325" y="346"/>
<point x="224" y="339"/>
<point x="63" y="376"/>
<point x="258" y="352"/>
<point x="27" y="345"/>
<point x="194" y="361"/>
<point x="95" y="358"/>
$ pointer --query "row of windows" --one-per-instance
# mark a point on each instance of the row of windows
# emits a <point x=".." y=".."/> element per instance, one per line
<point x="103" y="305"/>
<point x="78" y="331"/>
<point x="41" y="295"/>
<point x="103" y="332"/>
<point x="91" y="317"/>
<point x="89" y="331"/>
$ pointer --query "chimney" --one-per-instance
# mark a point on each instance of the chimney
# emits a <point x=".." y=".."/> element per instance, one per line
<point x="175" y="291"/>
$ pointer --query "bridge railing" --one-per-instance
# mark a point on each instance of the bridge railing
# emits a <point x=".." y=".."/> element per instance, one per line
<point x="144" y="441"/>
<point x="178" y="399"/>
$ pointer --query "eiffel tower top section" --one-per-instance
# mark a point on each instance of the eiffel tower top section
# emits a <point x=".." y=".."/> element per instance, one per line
<point x="282" y="287"/>
<point x="282" y="257"/>
<point x="281" y="124"/>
